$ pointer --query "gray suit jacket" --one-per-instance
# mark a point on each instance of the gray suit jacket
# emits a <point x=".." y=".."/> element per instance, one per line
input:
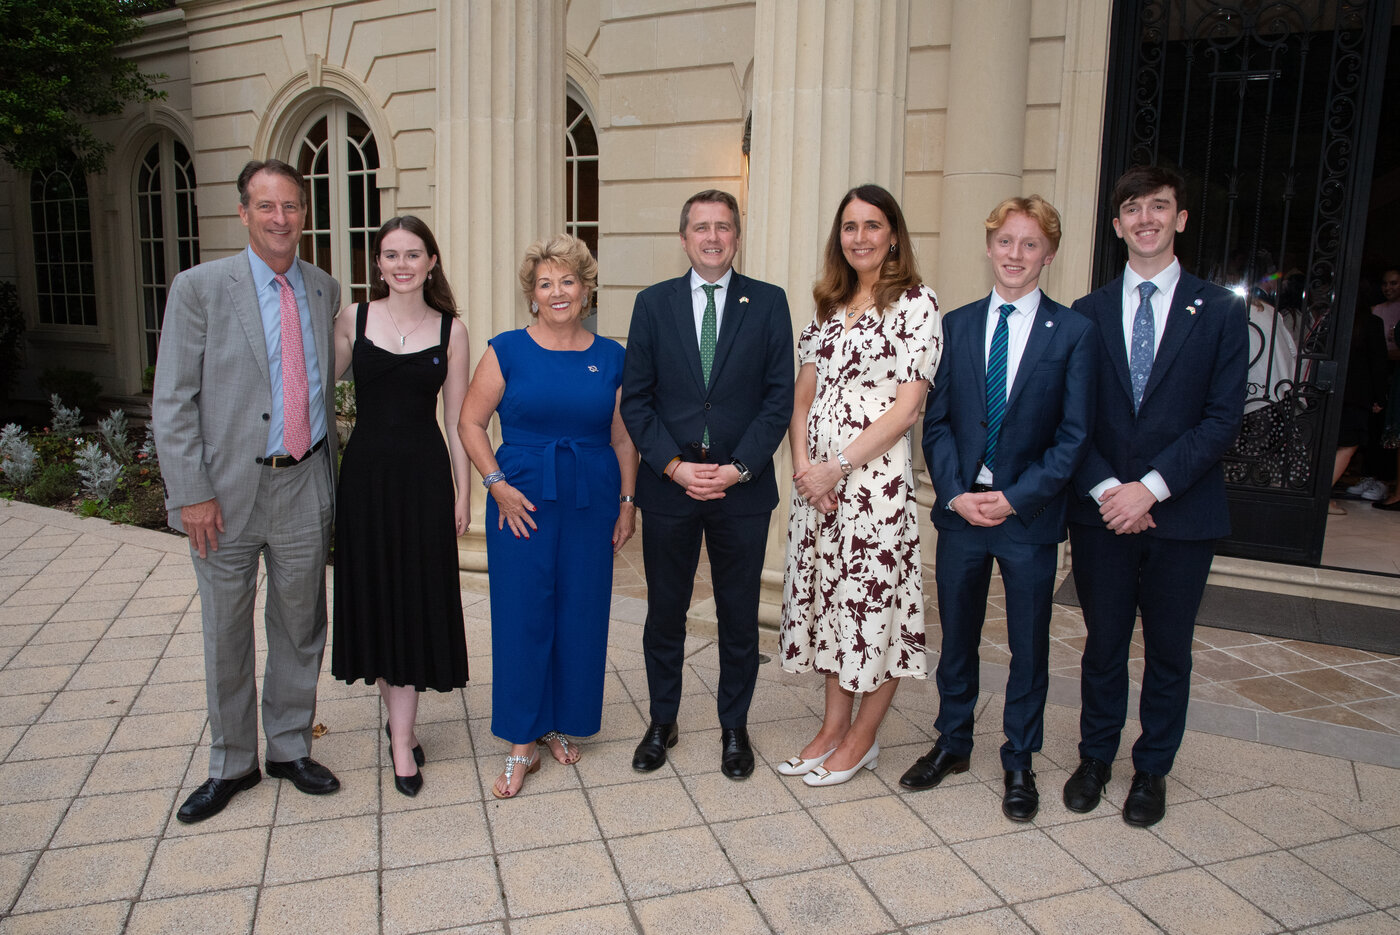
<point x="213" y="390"/>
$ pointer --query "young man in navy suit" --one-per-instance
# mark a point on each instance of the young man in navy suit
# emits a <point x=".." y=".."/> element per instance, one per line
<point x="1151" y="491"/>
<point x="1007" y="423"/>
<point x="706" y="397"/>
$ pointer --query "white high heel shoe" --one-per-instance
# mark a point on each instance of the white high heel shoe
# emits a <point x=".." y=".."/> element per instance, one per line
<point x="821" y="776"/>
<point x="800" y="767"/>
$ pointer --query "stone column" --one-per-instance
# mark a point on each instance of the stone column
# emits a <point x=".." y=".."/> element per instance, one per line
<point x="828" y="114"/>
<point x="984" y="147"/>
<point x="500" y="168"/>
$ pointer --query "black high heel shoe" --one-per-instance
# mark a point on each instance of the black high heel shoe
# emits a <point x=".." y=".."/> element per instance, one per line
<point x="407" y="785"/>
<point x="418" y="756"/>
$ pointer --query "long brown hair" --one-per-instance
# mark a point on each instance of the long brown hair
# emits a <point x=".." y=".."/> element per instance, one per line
<point x="436" y="292"/>
<point x="837" y="284"/>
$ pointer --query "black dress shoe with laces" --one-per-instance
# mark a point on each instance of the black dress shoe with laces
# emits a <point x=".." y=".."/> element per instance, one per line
<point x="932" y="768"/>
<point x="651" y="752"/>
<point x="1147" y="800"/>
<point x="1020" y="801"/>
<point x="211" y="797"/>
<point x="1084" y="789"/>
<point x="736" y="757"/>
<point x="306" y="774"/>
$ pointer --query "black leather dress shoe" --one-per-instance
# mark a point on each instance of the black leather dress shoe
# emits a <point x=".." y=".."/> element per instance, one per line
<point x="306" y="774"/>
<point x="211" y="797"/>
<point x="932" y="768"/>
<point x="736" y="757"/>
<point x="651" y="752"/>
<point x="1085" y="787"/>
<point x="418" y="756"/>
<point x="1020" y="801"/>
<point x="1147" y="800"/>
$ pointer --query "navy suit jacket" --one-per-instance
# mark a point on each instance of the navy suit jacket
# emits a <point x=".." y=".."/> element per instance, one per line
<point x="1044" y="431"/>
<point x="1191" y="408"/>
<point x="667" y="407"/>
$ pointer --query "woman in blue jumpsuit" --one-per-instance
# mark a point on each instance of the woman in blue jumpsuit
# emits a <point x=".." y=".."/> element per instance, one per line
<point x="561" y="487"/>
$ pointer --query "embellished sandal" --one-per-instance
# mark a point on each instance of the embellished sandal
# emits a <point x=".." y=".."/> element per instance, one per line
<point x="571" y="756"/>
<point x="531" y="764"/>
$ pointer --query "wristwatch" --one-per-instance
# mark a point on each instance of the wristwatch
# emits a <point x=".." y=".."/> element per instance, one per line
<point x="745" y="475"/>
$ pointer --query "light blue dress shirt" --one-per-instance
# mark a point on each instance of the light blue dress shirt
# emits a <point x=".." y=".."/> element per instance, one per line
<point x="270" y="306"/>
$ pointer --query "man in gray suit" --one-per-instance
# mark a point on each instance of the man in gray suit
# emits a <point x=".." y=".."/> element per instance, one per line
<point x="244" y="414"/>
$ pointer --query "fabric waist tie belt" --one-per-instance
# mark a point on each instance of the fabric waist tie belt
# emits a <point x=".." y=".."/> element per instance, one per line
<point x="549" y="447"/>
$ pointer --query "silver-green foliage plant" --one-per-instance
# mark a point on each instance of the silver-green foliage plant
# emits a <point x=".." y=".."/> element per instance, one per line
<point x="98" y="471"/>
<point x="148" y="447"/>
<point x="64" y="421"/>
<point x="18" y="458"/>
<point x="113" y="429"/>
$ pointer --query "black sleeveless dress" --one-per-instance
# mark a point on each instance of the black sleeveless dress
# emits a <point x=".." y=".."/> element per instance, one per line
<point x="398" y="606"/>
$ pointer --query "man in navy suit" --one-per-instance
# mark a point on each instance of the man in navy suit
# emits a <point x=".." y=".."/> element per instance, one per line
<point x="1151" y="491"/>
<point x="706" y="397"/>
<point x="1007" y="423"/>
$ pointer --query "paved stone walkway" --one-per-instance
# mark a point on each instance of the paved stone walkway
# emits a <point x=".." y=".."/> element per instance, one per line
<point x="102" y="734"/>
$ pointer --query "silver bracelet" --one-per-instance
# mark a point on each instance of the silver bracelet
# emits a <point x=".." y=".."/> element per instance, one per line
<point x="846" y="468"/>
<point x="491" y="478"/>
<point x="626" y="498"/>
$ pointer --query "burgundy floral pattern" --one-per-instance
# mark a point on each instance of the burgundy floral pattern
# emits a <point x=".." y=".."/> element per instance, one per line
<point x="853" y="587"/>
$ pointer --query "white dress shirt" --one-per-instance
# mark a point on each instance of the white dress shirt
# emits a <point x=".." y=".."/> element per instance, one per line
<point x="697" y="299"/>
<point x="1161" y="302"/>
<point x="1018" y="333"/>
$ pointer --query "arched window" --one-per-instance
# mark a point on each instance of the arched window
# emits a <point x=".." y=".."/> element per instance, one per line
<point x="340" y="159"/>
<point x="167" y="230"/>
<point x="64" y="282"/>
<point x="580" y="171"/>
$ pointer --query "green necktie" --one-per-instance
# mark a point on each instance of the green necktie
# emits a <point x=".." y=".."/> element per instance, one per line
<point x="708" y="331"/>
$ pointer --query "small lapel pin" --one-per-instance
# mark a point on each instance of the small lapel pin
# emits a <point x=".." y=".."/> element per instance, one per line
<point x="1049" y="324"/>
<point x="743" y="300"/>
<point x="592" y="368"/>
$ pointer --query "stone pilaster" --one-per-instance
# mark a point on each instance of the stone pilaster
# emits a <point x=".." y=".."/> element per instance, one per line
<point x="500" y="169"/>
<point x="984" y="146"/>
<point x="828" y="113"/>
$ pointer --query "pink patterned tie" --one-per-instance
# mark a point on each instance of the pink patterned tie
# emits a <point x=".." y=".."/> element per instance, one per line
<point x="296" y="414"/>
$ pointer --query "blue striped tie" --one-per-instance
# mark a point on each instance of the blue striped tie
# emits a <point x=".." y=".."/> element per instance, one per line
<point x="996" y="385"/>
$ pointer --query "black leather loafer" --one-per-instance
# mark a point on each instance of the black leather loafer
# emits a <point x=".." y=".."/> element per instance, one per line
<point x="1147" y="800"/>
<point x="1084" y="789"/>
<point x="1020" y="801"/>
<point x="736" y="756"/>
<point x="306" y="774"/>
<point x="211" y="797"/>
<point x="418" y="756"/>
<point x="651" y="752"/>
<point x="932" y="768"/>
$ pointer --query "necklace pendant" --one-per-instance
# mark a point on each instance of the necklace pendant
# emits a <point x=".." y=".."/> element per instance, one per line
<point x="402" y="340"/>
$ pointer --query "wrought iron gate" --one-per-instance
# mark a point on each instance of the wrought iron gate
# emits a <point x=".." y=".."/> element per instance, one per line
<point x="1270" y="111"/>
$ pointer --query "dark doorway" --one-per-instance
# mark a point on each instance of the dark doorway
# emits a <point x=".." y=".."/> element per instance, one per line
<point x="1271" y="111"/>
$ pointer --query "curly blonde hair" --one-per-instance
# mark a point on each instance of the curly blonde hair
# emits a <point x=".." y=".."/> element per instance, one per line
<point x="564" y="251"/>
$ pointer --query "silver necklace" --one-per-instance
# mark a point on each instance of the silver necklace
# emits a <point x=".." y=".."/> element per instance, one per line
<point x="403" y="338"/>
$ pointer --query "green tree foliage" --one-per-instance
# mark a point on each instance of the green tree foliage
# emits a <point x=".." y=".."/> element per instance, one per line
<point x="58" y="64"/>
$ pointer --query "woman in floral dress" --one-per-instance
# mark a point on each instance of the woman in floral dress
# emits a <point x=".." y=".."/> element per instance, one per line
<point x="853" y="587"/>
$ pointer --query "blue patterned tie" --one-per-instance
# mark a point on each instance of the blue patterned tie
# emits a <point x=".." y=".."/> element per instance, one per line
<point x="996" y="385"/>
<point x="708" y="332"/>
<point x="1140" y="360"/>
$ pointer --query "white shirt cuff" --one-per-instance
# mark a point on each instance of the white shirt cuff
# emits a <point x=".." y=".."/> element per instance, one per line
<point x="1153" y="481"/>
<point x="1098" y="490"/>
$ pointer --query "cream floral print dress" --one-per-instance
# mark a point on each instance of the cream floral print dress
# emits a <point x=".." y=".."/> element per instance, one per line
<point x="853" y="586"/>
